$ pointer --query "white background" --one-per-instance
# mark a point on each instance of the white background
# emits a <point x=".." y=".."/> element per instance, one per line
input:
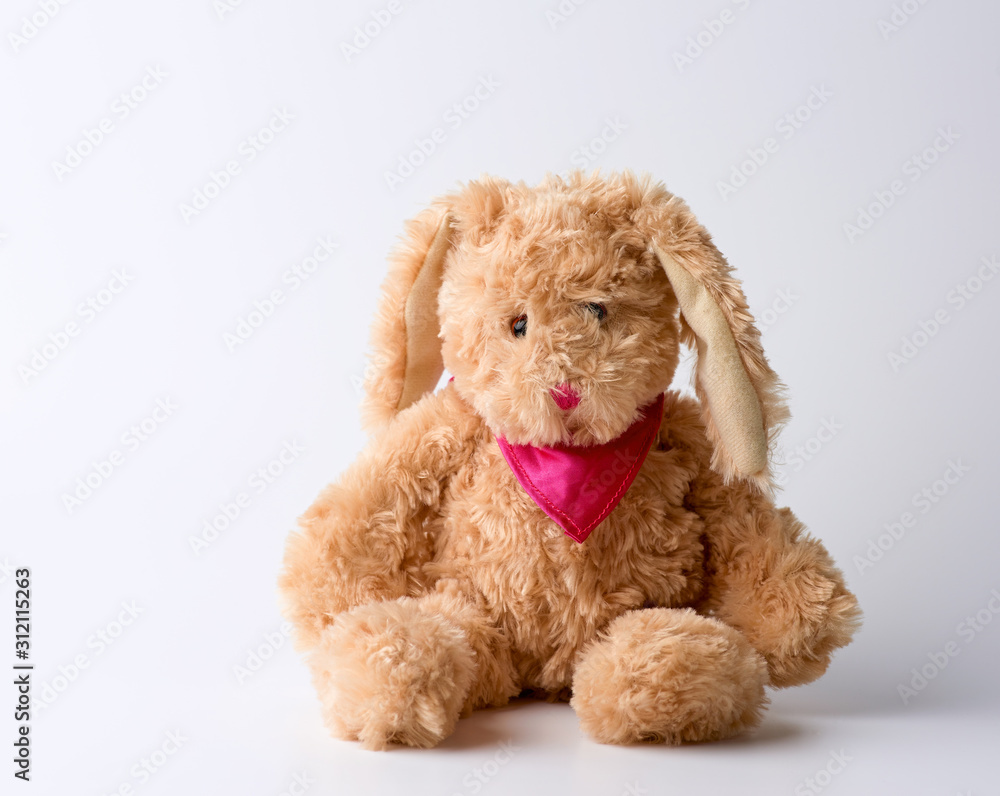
<point x="836" y="305"/>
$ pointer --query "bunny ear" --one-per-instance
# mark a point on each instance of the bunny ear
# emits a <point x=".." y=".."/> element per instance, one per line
<point x="406" y="346"/>
<point x="406" y="352"/>
<point x="741" y="397"/>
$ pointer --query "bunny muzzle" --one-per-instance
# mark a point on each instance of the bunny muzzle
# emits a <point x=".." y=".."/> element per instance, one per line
<point x="565" y="396"/>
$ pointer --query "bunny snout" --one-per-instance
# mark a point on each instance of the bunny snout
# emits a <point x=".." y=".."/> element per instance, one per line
<point x="565" y="396"/>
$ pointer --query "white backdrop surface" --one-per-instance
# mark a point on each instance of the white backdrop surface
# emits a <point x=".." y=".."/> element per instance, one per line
<point x="196" y="202"/>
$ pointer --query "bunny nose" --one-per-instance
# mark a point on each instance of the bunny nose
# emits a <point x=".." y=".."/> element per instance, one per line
<point x="565" y="396"/>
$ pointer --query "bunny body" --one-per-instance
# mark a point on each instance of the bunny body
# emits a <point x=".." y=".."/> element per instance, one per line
<point x="426" y="582"/>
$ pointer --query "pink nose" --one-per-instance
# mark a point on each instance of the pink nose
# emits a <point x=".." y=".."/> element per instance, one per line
<point x="565" y="396"/>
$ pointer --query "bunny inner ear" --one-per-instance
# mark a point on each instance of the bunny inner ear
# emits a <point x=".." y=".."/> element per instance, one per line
<point x="732" y="399"/>
<point x="424" y="365"/>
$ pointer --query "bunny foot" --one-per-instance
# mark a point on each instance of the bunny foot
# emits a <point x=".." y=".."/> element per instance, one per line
<point x="389" y="673"/>
<point x="671" y="676"/>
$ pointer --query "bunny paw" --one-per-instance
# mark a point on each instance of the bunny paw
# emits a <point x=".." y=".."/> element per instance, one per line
<point x="670" y="676"/>
<point x="388" y="673"/>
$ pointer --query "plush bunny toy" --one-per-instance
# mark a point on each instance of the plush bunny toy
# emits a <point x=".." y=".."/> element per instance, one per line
<point x="554" y="520"/>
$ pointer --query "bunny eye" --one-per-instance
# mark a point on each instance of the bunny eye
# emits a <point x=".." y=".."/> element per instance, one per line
<point x="519" y="326"/>
<point x="599" y="310"/>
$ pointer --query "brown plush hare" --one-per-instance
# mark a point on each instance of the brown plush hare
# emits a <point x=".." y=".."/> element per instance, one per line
<point x="442" y="572"/>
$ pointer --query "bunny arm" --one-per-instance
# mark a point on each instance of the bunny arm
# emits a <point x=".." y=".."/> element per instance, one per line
<point x="366" y="535"/>
<point x="766" y="577"/>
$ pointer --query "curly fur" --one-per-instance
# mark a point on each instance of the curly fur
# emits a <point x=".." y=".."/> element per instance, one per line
<point x="425" y="583"/>
<point x="687" y="678"/>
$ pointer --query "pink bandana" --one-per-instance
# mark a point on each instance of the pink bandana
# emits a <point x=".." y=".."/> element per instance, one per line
<point x="578" y="486"/>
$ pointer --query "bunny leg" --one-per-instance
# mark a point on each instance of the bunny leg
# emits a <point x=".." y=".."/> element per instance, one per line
<point x="366" y="537"/>
<point x="404" y="671"/>
<point x="779" y="587"/>
<point x="668" y="675"/>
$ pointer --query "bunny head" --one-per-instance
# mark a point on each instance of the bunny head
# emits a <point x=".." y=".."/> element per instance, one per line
<point x="560" y="311"/>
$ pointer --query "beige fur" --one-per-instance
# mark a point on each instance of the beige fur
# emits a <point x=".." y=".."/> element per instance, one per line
<point x="425" y="583"/>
